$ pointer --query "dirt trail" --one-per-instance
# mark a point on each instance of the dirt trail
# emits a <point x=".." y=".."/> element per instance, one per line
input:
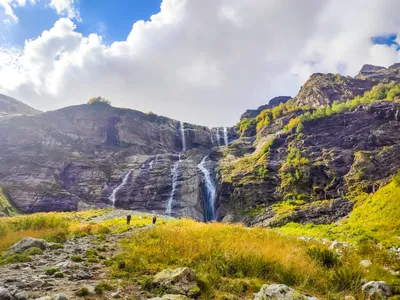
<point x="29" y="280"/>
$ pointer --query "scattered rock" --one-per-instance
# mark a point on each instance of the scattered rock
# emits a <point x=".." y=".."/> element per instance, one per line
<point x="171" y="297"/>
<point x="280" y="292"/>
<point x="365" y="263"/>
<point x="27" y="243"/>
<point x="60" y="297"/>
<point x="337" y="245"/>
<point x="376" y="289"/>
<point x="4" y="294"/>
<point x="20" y="296"/>
<point x="81" y="275"/>
<point x="178" y="281"/>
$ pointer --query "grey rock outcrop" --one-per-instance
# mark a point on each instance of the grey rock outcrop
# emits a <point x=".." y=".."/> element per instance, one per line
<point x="280" y="292"/>
<point x="27" y="243"/>
<point x="177" y="281"/>
<point x="378" y="289"/>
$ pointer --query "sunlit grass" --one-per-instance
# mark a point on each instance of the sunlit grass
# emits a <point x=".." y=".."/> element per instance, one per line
<point x="225" y="255"/>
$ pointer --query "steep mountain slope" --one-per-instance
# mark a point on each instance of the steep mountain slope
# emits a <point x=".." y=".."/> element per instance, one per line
<point x="308" y="165"/>
<point x="10" y="107"/>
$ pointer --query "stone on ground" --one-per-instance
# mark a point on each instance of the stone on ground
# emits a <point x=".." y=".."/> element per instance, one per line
<point x="4" y="294"/>
<point x="378" y="289"/>
<point x="27" y="243"/>
<point x="171" y="297"/>
<point x="177" y="281"/>
<point x="280" y="292"/>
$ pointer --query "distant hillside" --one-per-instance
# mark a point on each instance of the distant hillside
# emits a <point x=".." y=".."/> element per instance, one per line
<point x="11" y="106"/>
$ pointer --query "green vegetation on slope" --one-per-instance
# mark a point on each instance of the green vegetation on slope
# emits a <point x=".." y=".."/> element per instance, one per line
<point x="380" y="92"/>
<point x="375" y="219"/>
<point x="5" y="206"/>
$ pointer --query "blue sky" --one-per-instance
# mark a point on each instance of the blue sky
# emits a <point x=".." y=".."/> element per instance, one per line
<point x="113" y="22"/>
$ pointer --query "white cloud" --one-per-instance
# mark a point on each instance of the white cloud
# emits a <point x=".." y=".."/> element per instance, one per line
<point x="65" y="7"/>
<point x="203" y="61"/>
<point x="62" y="7"/>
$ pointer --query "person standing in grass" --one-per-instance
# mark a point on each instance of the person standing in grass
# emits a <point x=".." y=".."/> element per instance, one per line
<point x="128" y="219"/>
<point x="154" y="219"/>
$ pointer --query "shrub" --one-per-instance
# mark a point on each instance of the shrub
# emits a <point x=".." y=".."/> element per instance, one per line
<point x="76" y="258"/>
<point x="56" y="246"/>
<point x="59" y="275"/>
<point x="346" y="278"/>
<point x="325" y="256"/>
<point x="51" y="271"/>
<point x="83" y="292"/>
<point x="15" y="259"/>
<point x="99" y="100"/>
<point x="102" y="248"/>
<point x="33" y="251"/>
<point x="101" y="287"/>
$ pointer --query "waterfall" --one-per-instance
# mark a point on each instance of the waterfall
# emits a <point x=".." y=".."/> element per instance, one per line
<point x="154" y="162"/>
<point x="210" y="189"/>
<point x="218" y="137"/>
<point x="175" y="174"/>
<point x="226" y="140"/>
<point x="112" y="198"/>
<point x="183" y="137"/>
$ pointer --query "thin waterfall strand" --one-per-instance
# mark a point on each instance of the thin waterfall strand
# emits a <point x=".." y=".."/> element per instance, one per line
<point x="226" y="140"/>
<point x="175" y="174"/>
<point x="218" y="137"/>
<point x="210" y="191"/>
<point x="183" y="137"/>
<point x="112" y="198"/>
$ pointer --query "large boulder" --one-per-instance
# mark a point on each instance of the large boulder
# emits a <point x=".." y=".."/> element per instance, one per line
<point x="177" y="281"/>
<point x="27" y="243"/>
<point x="4" y="294"/>
<point x="378" y="289"/>
<point x="280" y="292"/>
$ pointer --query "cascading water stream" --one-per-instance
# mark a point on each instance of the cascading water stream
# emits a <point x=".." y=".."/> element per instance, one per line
<point x="183" y="137"/>
<point x="226" y="139"/>
<point x="210" y="192"/>
<point x="113" y="195"/>
<point x="218" y="137"/>
<point x="175" y="175"/>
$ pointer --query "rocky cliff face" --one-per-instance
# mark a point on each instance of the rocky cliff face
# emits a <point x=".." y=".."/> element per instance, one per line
<point x="309" y="173"/>
<point x="76" y="157"/>
<point x="97" y="155"/>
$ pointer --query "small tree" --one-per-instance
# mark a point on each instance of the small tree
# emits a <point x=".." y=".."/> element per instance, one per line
<point x="99" y="100"/>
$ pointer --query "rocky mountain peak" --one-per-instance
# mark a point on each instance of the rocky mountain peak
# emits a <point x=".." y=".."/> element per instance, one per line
<point x="252" y="113"/>
<point x="11" y="107"/>
<point x="370" y="68"/>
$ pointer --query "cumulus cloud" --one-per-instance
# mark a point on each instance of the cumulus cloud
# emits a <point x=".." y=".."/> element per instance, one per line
<point x="66" y="7"/>
<point x="203" y="61"/>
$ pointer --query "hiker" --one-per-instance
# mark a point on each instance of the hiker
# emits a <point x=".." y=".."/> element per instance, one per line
<point x="128" y="219"/>
<point x="154" y="219"/>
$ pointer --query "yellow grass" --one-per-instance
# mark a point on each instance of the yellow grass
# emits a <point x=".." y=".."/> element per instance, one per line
<point x="221" y="253"/>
